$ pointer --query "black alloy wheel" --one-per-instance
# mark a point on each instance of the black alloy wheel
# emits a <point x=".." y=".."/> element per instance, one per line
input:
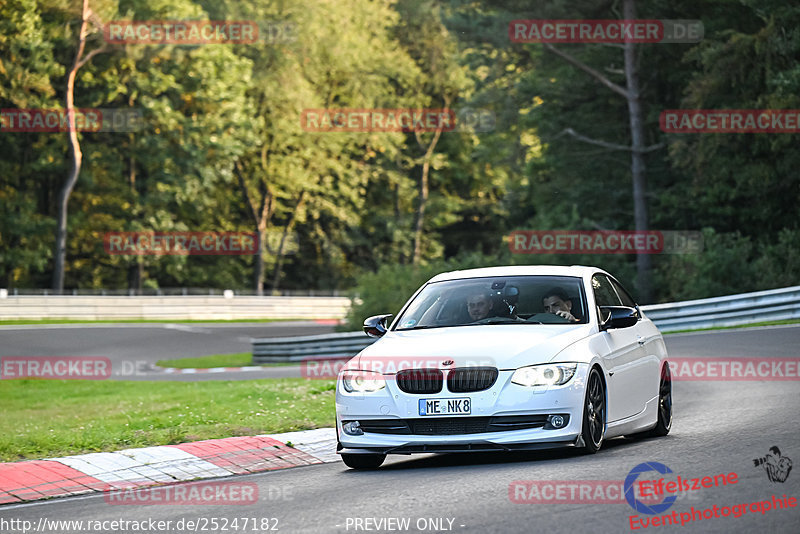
<point x="664" y="423"/>
<point x="594" y="413"/>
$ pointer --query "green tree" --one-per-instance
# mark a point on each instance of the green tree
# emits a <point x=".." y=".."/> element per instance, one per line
<point x="27" y="65"/>
<point x="289" y="177"/>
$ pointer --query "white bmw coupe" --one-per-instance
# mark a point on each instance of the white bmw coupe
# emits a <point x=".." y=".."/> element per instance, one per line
<point x="505" y="358"/>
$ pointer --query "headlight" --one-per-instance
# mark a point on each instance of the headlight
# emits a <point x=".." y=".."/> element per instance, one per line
<point x="544" y="375"/>
<point x="362" y="381"/>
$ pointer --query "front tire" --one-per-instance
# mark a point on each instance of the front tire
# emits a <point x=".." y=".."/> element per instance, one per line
<point x="594" y="413"/>
<point x="363" y="461"/>
<point x="664" y="423"/>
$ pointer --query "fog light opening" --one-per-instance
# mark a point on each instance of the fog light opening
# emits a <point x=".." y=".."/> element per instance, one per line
<point x="556" y="421"/>
<point x="353" y="428"/>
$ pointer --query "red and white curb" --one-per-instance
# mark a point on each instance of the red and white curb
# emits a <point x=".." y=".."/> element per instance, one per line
<point x="149" y="466"/>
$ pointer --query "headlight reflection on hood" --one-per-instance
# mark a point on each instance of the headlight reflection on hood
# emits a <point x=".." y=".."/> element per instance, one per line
<point x="362" y="381"/>
<point x="544" y="375"/>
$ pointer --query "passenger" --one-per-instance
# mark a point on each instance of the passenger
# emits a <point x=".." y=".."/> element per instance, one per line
<point x="557" y="302"/>
<point x="479" y="305"/>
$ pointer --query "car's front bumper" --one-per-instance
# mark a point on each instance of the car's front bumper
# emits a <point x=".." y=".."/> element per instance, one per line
<point x="501" y="400"/>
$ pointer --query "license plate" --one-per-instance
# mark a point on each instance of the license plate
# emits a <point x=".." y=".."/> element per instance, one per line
<point x="461" y="406"/>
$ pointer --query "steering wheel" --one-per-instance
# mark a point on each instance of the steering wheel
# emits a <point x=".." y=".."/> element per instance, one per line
<point x="547" y="318"/>
<point x="487" y="320"/>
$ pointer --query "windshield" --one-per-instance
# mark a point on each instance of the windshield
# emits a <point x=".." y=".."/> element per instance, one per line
<point x="497" y="300"/>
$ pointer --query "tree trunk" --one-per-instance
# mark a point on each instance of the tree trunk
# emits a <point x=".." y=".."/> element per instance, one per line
<point x="401" y="252"/>
<point x="136" y="267"/>
<point x="637" y="147"/>
<point x="276" y="274"/>
<point x="423" y="190"/>
<point x="72" y="178"/>
<point x="258" y="273"/>
<point x="635" y="115"/>
<point x="420" y="217"/>
<point x="60" y="253"/>
<point x="261" y="218"/>
<point x="63" y="200"/>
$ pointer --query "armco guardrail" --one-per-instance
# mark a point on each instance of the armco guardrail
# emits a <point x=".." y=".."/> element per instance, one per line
<point x="172" y="307"/>
<point x="733" y="310"/>
<point x="322" y="347"/>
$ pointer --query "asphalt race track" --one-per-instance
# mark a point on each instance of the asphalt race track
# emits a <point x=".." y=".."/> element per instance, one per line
<point x="133" y="349"/>
<point x="720" y="427"/>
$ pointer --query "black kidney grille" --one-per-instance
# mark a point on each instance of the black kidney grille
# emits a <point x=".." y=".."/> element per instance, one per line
<point x="466" y="379"/>
<point x="422" y="381"/>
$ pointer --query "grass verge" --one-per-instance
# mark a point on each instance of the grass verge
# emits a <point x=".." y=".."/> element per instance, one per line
<point x="239" y="359"/>
<point x="45" y="418"/>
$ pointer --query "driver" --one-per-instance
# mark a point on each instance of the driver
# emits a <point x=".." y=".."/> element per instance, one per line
<point x="557" y="302"/>
<point x="479" y="304"/>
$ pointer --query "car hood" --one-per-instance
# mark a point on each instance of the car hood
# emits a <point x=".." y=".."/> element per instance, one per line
<point x="501" y="346"/>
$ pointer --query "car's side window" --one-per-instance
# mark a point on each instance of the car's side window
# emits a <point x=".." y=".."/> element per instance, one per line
<point x="604" y="293"/>
<point x="624" y="296"/>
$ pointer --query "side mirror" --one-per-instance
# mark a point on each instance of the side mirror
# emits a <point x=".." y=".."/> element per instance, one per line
<point x="377" y="325"/>
<point x="617" y="317"/>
